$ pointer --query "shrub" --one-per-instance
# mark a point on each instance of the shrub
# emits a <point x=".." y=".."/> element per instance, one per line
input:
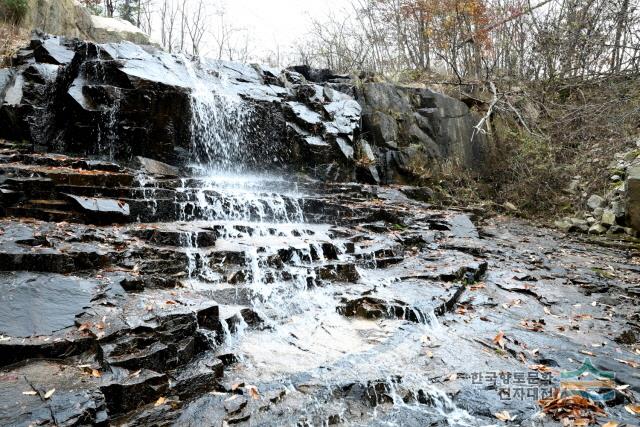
<point x="14" y="11"/>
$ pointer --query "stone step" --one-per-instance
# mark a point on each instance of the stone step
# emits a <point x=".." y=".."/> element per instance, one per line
<point x="117" y="192"/>
<point x="51" y="215"/>
<point x="69" y="176"/>
<point x="30" y="185"/>
<point x="59" y="205"/>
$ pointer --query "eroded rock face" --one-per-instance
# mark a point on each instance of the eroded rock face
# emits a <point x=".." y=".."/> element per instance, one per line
<point x="409" y="124"/>
<point x="119" y="101"/>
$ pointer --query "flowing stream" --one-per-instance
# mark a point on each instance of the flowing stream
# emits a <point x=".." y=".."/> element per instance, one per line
<point x="281" y="321"/>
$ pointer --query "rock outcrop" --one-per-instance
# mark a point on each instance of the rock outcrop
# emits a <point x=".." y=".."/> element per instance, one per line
<point x="71" y="19"/>
<point x="407" y="125"/>
<point x="122" y="100"/>
<point x="110" y="30"/>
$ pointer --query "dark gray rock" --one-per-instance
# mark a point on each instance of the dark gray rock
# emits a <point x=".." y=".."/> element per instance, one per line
<point x="41" y="304"/>
<point x="154" y="167"/>
<point x="125" y="391"/>
<point x="52" y="50"/>
<point x="437" y="126"/>
<point x="76" y="399"/>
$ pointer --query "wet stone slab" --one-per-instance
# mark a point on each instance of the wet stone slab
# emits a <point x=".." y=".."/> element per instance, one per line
<point x="50" y="393"/>
<point x="34" y="304"/>
<point x="273" y="304"/>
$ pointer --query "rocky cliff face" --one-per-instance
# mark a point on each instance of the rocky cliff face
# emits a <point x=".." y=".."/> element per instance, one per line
<point x="70" y="18"/>
<point x="404" y="123"/>
<point x="122" y="100"/>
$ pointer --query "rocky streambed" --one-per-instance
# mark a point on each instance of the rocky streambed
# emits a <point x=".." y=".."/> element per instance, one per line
<point x="138" y="299"/>
<point x="250" y="281"/>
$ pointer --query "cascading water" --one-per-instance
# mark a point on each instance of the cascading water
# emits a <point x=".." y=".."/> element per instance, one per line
<point x="269" y="259"/>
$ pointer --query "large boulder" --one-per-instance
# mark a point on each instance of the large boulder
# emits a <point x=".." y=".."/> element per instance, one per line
<point x="405" y="123"/>
<point x="61" y="17"/>
<point x="108" y="30"/>
<point x="122" y="100"/>
<point x="72" y="96"/>
<point x="69" y="18"/>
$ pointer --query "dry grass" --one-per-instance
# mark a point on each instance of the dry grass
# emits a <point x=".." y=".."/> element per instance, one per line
<point x="12" y="37"/>
<point x="570" y="129"/>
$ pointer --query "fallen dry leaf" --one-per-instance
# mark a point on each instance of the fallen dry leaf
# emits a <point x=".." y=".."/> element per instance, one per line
<point x="160" y="401"/>
<point x="533" y="325"/>
<point x="629" y="363"/>
<point x="573" y="409"/>
<point x="610" y="424"/>
<point x="633" y="409"/>
<point x="504" y="416"/>
<point x="29" y="393"/>
<point x="85" y="326"/>
<point x="499" y="339"/>
<point x="48" y="394"/>
<point x="540" y="368"/>
<point x="253" y="392"/>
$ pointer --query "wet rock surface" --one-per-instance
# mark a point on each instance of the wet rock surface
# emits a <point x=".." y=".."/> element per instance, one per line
<point x="135" y="104"/>
<point x="270" y="301"/>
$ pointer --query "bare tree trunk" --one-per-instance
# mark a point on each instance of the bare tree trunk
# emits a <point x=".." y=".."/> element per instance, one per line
<point x="618" y="49"/>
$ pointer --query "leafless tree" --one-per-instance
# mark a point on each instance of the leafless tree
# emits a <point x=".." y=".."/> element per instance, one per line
<point x="196" y="26"/>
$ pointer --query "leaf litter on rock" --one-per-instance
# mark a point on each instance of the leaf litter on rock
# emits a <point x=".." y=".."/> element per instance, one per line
<point x="571" y="410"/>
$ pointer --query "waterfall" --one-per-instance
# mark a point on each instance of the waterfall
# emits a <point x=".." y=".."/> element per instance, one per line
<point x="275" y="262"/>
<point x="219" y="123"/>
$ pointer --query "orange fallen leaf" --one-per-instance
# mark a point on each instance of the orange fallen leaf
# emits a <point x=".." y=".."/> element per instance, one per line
<point x="633" y="409"/>
<point x="540" y="368"/>
<point x="253" y="392"/>
<point x="610" y="424"/>
<point x="160" y="401"/>
<point x="499" y="339"/>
